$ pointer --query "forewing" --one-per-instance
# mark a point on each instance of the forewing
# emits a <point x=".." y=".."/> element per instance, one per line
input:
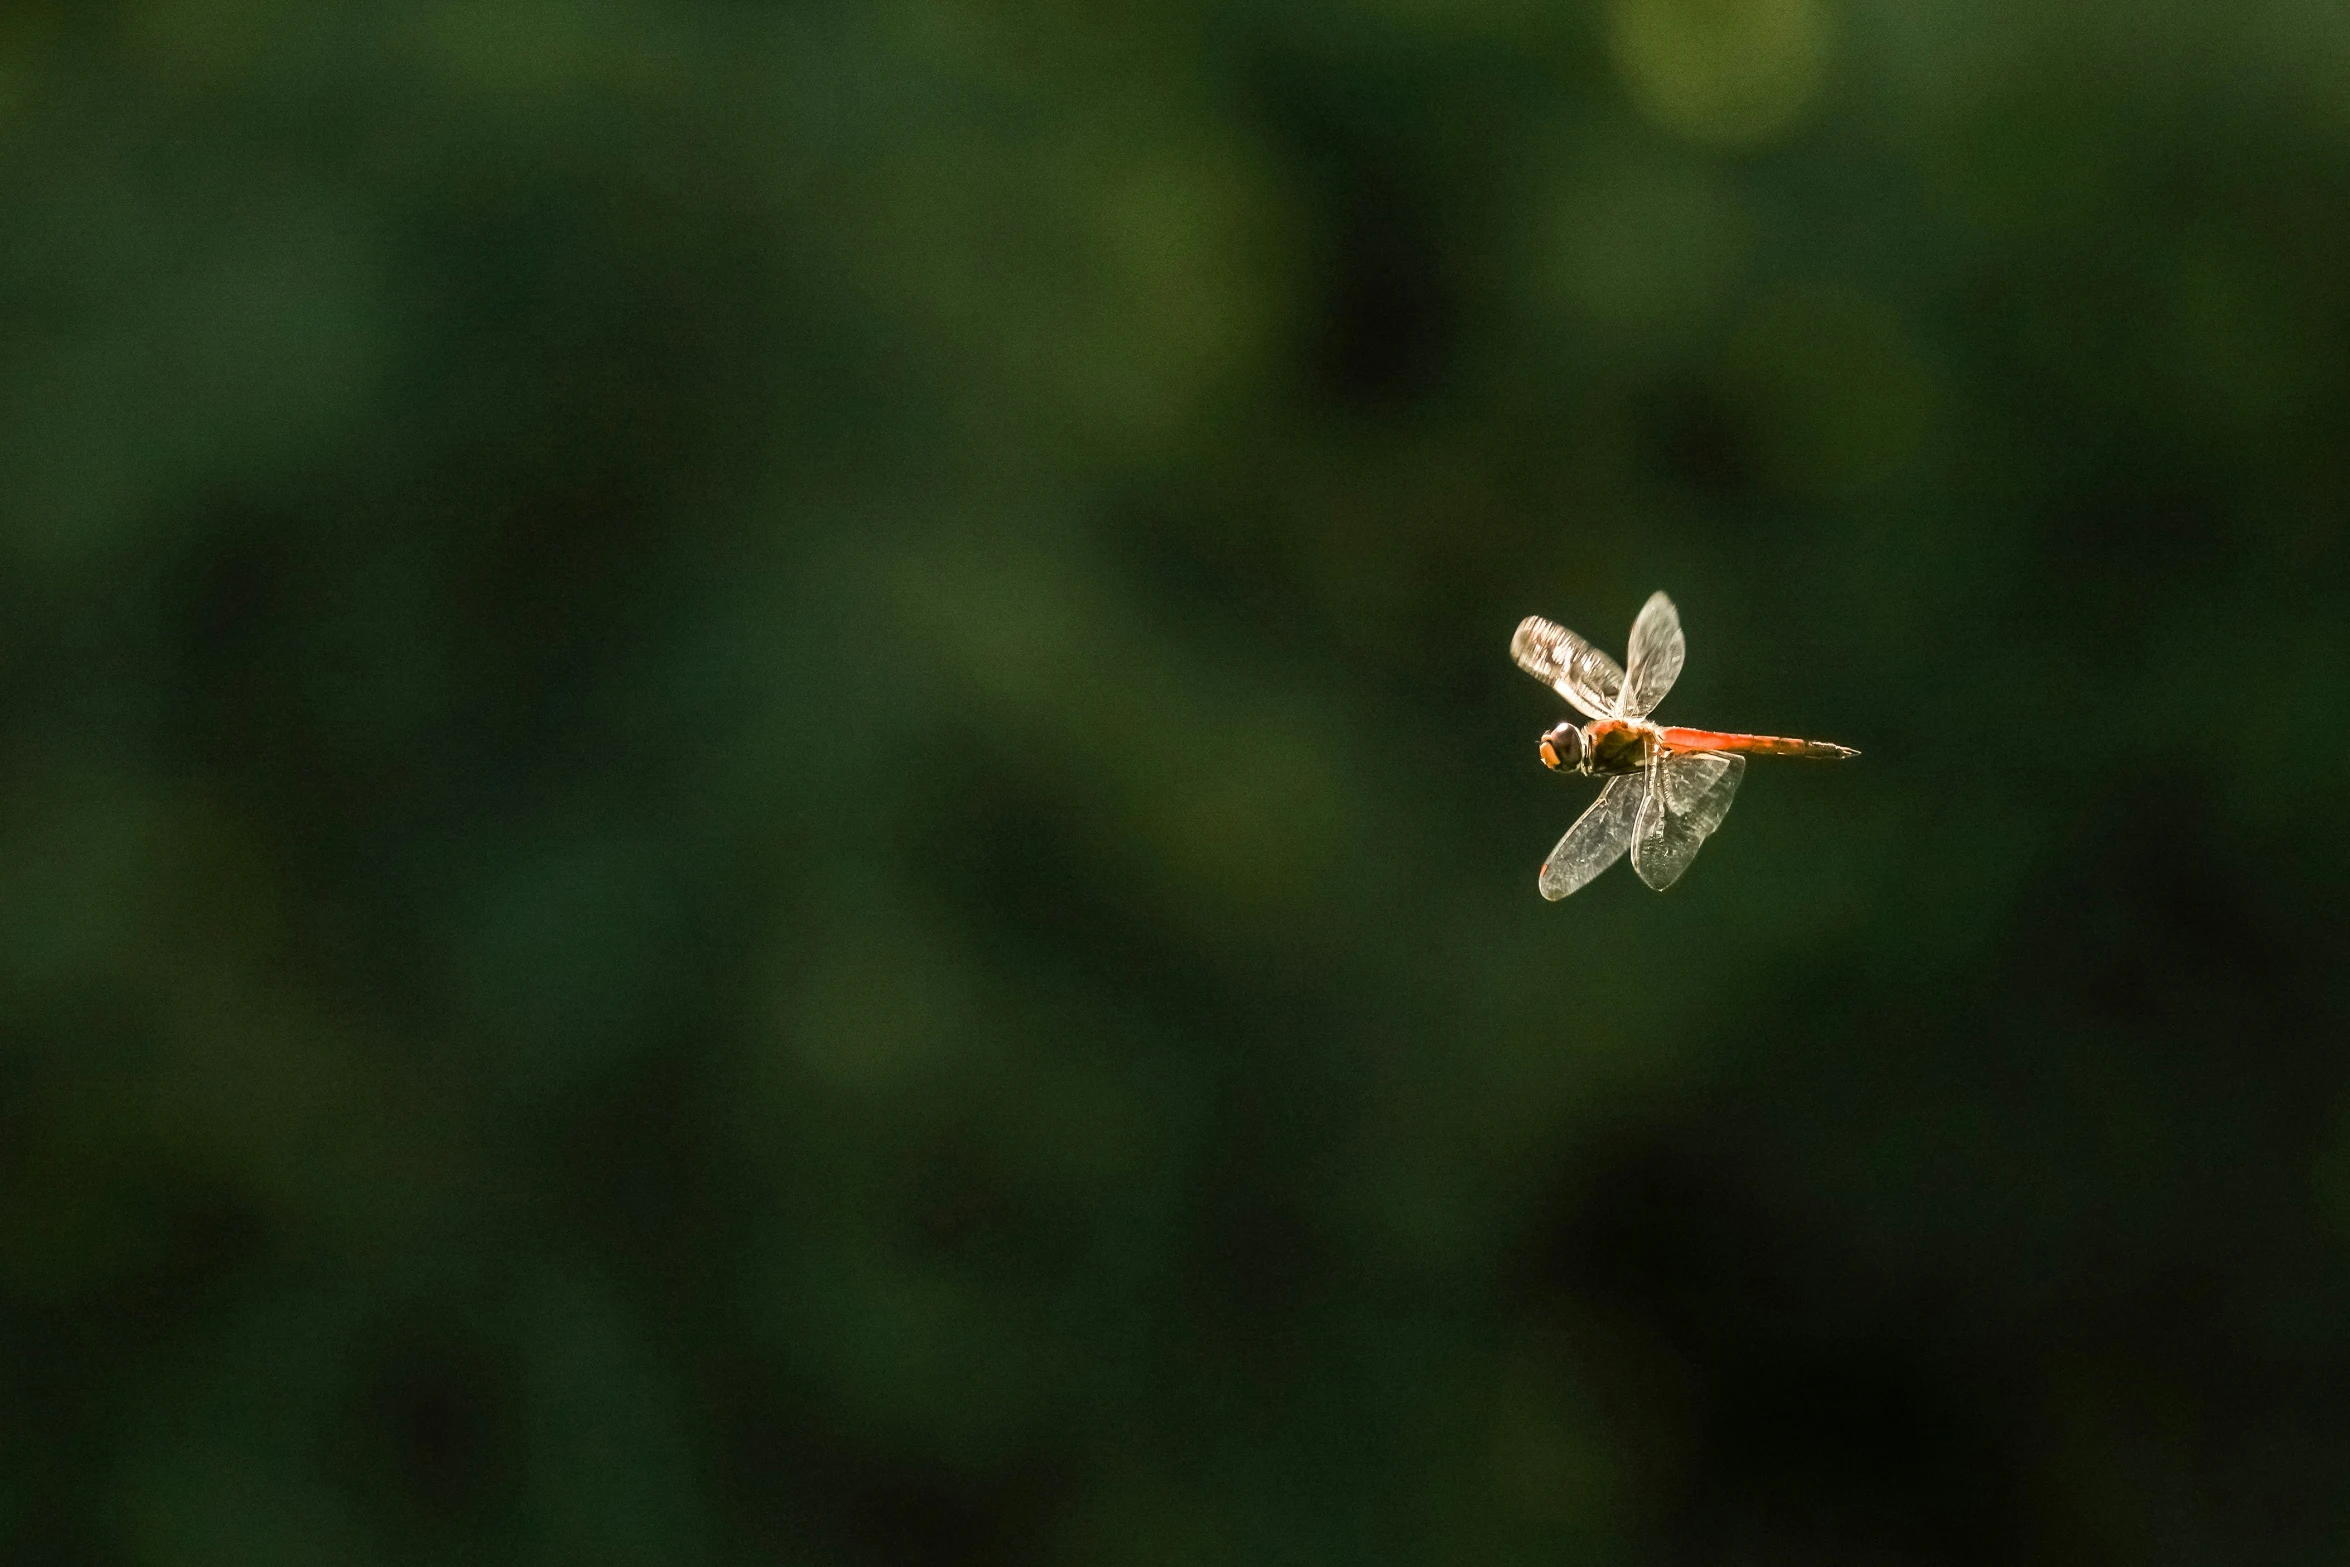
<point x="1599" y="835"/>
<point x="1568" y="665"/>
<point x="1683" y="799"/>
<point x="1653" y="661"/>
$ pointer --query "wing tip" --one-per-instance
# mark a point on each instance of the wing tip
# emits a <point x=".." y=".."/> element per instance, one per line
<point x="1648" y="874"/>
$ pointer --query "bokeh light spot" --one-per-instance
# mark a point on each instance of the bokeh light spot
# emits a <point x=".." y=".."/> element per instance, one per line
<point x="1721" y="72"/>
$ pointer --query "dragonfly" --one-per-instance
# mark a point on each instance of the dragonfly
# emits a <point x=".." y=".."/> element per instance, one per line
<point x="1667" y="788"/>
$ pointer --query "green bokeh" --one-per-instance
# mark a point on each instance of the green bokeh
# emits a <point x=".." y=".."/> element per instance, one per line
<point x="760" y="799"/>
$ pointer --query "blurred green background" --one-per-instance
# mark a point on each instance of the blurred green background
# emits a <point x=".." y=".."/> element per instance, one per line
<point x="760" y="799"/>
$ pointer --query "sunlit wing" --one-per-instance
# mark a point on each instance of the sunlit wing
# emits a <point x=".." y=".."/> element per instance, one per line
<point x="1568" y="665"/>
<point x="1599" y="835"/>
<point x="1653" y="660"/>
<point x="1682" y="800"/>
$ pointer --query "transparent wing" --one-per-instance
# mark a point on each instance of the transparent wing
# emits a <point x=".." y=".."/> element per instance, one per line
<point x="1682" y="800"/>
<point x="1599" y="835"/>
<point x="1653" y="660"/>
<point x="1568" y="665"/>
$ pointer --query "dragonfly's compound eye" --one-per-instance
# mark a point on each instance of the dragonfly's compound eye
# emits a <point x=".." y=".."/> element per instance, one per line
<point x="1563" y="749"/>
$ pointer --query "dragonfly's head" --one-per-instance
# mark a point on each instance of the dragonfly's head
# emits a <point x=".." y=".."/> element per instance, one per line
<point x="1565" y="750"/>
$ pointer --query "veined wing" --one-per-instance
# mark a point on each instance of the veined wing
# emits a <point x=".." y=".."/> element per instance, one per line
<point x="1568" y="665"/>
<point x="1599" y="835"/>
<point x="1682" y="800"/>
<point x="1653" y="660"/>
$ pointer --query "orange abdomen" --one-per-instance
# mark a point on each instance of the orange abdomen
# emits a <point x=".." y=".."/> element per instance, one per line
<point x="1752" y="745"/>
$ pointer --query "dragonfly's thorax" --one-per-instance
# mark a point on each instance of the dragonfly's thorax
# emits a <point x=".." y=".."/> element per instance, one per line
<point x="1619" y="745"/>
